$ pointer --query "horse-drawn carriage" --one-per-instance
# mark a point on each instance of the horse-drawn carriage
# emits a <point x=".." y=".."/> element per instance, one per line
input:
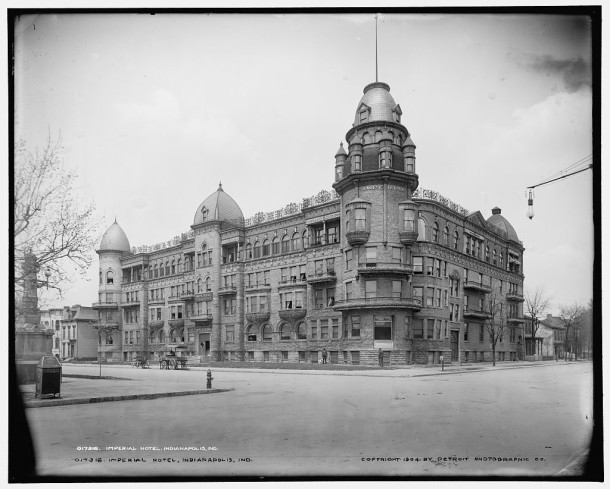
<point x="172" y="358"/>
<point x="141" y="361"/>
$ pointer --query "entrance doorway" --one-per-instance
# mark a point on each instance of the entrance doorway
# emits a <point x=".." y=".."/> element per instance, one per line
<point x="455" y="338"/>
<point x="204" y="346"/>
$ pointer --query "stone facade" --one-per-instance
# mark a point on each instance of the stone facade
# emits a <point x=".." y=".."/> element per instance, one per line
<point x="375" y="264"/>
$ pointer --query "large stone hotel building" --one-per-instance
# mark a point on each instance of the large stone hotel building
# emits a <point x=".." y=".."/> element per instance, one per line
<point x="377" y="263"/>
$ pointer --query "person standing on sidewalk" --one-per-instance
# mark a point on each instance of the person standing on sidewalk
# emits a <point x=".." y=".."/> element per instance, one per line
<point x="380" y="357"/>
<point x="324" y="355"/>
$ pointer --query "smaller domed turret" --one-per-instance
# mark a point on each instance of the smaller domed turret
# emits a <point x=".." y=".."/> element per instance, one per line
<point x="340" y="158"/>
<point x="114" y="239"/>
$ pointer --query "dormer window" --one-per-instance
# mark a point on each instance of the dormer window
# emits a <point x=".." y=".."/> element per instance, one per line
<point x="205" y="211"/>
<point x="356" y="163"/>
<point x="364" y="115"/>
<point x="109" y="277"/>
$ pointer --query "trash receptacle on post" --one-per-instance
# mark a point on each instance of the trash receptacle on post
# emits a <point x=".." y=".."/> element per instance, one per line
<point x="48" y="376"/>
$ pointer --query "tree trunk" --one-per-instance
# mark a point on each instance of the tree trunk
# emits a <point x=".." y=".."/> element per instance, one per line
<point x="493" y="355"/>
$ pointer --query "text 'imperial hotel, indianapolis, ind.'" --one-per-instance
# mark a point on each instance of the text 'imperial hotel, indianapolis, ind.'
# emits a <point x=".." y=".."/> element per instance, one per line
<point x="377" y="263"/>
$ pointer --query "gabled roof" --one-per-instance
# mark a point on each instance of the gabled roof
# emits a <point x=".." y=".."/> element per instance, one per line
<point x="477" y="218"/>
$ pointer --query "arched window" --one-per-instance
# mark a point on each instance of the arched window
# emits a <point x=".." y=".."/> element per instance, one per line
<point x="304" y="237"/>
<point x="495" y="257"/>
<point x="487" y="254"/>
<point x="356" y="163"/>
<point x="435" y="232"/>
<point x="155" y="271"/>
<point x="275" y="246"/>
<point x="109" y="277"/>
<point x="421" y="229"/>
<point x="173" y="267"/>
<point x="285" y="244"/>
<point x="161" y="270"/>
<point x="179" y="269"/>
<point x="251" y="333"/>
<point x="152" y="338"/>
<point x="296" y="242"/>
<point x="285" y="331"/>
<point x="456" y="238"/>
<point x="56" y="342"/>
<point x="199" y="286"/>
<point x="100" y="277"/>
<point x="167" y="268"/>
<point x="161" y="336"/>
<point x="266" y="333"/>
<point x="446" y="236"/>
<point x="302" y="331"/>
<point x="501" y="259"/>
<point x="172" y="336"/>
<point x="248" y="251"/>
<point x="208" y="284"/>
<point x="266" y="248"/>
<point x="257" y="250"/>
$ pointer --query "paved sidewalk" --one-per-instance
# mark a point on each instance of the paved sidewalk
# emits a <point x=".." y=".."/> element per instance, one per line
<point x="81" y="385"/>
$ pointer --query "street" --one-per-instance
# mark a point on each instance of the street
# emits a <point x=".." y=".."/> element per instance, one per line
<point x="521" y="421"/>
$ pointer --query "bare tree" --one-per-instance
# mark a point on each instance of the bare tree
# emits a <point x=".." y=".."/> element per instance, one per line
<point x="536" y="304"/>
<point x="571" y="317"/>
<point x="495" y="321"/>
<point x="50" y="220"/>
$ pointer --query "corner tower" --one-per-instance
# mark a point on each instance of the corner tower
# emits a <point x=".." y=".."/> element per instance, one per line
<point x="376" y="181"/>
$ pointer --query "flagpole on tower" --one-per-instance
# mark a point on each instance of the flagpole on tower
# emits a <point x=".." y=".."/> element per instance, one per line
<point x="376" y="64"/>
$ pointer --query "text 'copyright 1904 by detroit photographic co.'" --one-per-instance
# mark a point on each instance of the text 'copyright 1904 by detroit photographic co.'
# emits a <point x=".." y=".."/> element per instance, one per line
<point x="91" y="454"/>
<point x="452" y="459"/>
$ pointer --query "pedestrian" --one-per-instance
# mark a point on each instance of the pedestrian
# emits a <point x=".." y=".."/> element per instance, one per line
<point x="324" y="354"/>
<point x="380" y="357"/>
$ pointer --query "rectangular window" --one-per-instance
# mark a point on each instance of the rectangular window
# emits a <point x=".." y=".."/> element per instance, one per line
<point x="355" y="358"/>
<point x="396" y="289"/>
<point x="360" y="219"/>
<point x="332" y="234"/>
<point x="330" y="296"/>
<point x="418" y="328"/>
<point x="284" y="272"/>
<point x="429" y="266"/>
<point x="418" y="264"/>
<point x="265" y="356"/>
<point x="430" y="329"/>
<point x="481" y="333"/>
<point x="318" y="298"/>
<point x="418" y="294"/>
<point x="355" y="326"/>
<point x="371" y="255"/>
<point x="262" y="306"/>
<point x="335" y="323"/>
<point x="429" y="297"/>
<point x="348" y="291"/>
<point x="313" y="356"/>
<point x="230" y="330"/>
<point x="348" y="259"/>
<point x="437" y="266"/>
<point x="437" y="298"/>
<point x="319" y="264"/>
<point x="465" y="331"/>
<point x="396" y="255"/>
<point x="298" y="299"/>
<point x="383" y="327"/>
<point x="324" y="329"/>
<point x="302" y="357"/>
<point x="334" y="357"/>
<point x="370" y="289"/>
<point x="284" y="356"/>
<point x="446" y="297"/>
<point x="314" y="332"/>
<point x="330" y="266"/>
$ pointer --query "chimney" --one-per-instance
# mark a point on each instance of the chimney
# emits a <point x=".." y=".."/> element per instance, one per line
<point x="496" y="210"/>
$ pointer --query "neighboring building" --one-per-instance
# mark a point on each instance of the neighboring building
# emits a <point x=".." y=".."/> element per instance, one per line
<point x="376" y="264"/>
<point x="50" y="319"/>
<point x="79" y="340"/>
<point x="556" y="325"/>
<point x="542" y="346"/>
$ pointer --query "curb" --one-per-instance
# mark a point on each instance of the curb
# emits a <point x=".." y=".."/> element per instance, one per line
<point x="129" y="397"/>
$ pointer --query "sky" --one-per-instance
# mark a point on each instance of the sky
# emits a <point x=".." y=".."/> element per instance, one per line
<point x="155" y="111"/>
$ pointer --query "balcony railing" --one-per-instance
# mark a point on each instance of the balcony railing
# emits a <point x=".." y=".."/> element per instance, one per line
<point x="292" y="314"/>
<point x="175" y="298"/>
<point x="229" y="290"/>
<point x="157" y="300"/>
<point x="258" y="317"/>
<point x="378" y="302"/>
<point x="255" y="287"/>
<point x="322" y="277"/>
<point x="514" y="296"/>
<point x="476" y="313"/>
<point x="130" y="303"/>
<point x="203" y="318"/>
<point x="478" y="286"/>
<point x="384" y="268"/>
<point x="514" y="319"/>
<point x="105" y="305"/>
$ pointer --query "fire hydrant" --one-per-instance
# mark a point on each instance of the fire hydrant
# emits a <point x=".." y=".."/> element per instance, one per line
<point x="209" y="385"/>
